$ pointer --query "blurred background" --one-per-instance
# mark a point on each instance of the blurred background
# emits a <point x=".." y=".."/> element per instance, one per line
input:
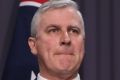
<point x="102" y="50"/>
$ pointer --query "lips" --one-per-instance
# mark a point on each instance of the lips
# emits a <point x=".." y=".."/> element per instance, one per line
<point x="65" y="52"/>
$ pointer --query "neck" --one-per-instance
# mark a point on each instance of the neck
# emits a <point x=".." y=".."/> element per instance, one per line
<point x="59" y="76"/>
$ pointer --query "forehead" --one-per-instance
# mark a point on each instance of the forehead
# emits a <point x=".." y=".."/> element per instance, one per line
<point x="60" y="14"/>
<point x="59" y="11"/>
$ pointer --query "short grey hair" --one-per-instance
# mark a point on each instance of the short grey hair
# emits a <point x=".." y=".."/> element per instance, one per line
<point x="53" y="4"/>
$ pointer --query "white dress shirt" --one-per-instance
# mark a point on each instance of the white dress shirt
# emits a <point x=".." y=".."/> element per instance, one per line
<point x="39" y="77"/>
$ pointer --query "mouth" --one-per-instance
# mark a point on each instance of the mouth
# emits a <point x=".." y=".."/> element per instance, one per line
<point x="64" y="53"/>
<point x="64" y="60"/>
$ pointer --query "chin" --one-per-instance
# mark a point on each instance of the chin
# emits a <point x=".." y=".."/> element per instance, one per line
<point x="66" y="70"/>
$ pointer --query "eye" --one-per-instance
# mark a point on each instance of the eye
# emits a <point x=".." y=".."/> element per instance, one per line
<point x="75" y="30"/>
<point x="53" y="30"/>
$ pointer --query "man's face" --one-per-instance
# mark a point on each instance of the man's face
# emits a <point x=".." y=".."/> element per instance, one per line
<point x="59" y="43"/>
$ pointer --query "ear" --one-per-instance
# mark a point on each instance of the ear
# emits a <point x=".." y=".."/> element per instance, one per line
<point x="32" y="45"/>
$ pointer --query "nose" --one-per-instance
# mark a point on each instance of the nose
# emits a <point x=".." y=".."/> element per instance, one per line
<point x="65" y="39"/>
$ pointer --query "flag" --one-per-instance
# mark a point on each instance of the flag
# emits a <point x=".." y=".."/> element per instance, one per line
<point x="20" y="61"/>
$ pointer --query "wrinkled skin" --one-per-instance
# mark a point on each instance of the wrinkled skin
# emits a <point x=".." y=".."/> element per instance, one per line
<point x="59" y="43"/>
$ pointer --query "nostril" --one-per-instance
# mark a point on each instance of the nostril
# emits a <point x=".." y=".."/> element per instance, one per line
<point x="66" y="43"/>
<point x="62" y="43"/>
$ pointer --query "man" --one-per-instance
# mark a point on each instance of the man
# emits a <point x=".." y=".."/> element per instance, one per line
<point x="57" y="39"/>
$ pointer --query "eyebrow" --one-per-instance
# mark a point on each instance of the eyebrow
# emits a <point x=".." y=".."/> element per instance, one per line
<point x="74" y="26"/>
<point x="58" y="26"/>
<point x="53" y="25"/>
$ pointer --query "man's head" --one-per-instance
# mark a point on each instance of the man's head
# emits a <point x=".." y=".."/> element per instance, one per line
<point x="57" y="38"/>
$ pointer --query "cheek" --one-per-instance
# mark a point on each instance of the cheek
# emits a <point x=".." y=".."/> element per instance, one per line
<point x="78" y="46"/>
<point x="50" y="40"/>
<point x="46" y="42"/>
<point x="78" y="43"/>
<point x="46" y="46"/>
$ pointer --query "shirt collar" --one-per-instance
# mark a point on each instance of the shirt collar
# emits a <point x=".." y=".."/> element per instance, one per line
<point x="39" y="77"/>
